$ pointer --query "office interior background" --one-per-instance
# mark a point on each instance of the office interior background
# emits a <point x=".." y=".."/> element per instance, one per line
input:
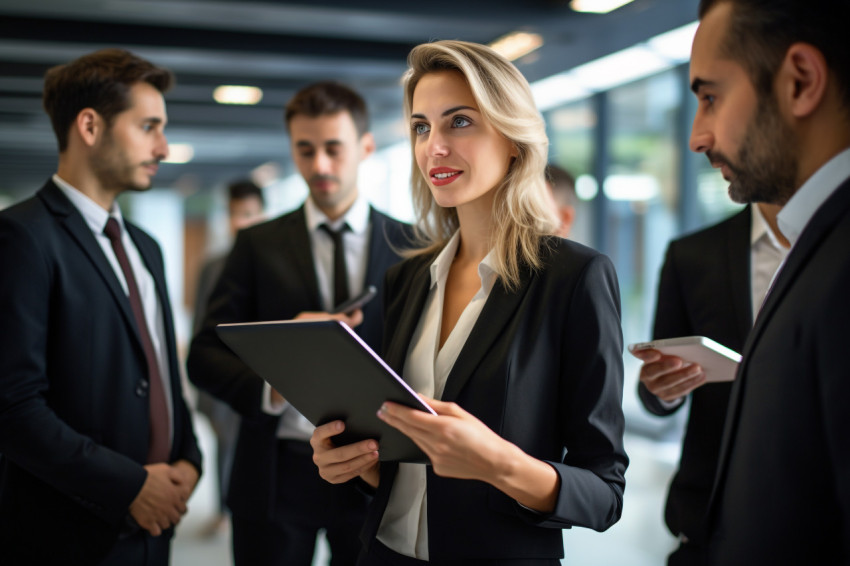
<point x="612" y="87"/>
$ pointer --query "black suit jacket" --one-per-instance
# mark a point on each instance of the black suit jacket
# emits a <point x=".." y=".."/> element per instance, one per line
<point x="73" y="402"/>
<point x="704" y="290"/>
<point x="782" y="494"/>
<point x="543" y="368"/>
<point x="269" y="275"/>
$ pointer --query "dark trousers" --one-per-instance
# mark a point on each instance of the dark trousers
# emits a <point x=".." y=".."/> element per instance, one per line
<point x="379" y="555"/>
<point x="688" y="554"/>
<point x="304" y="504"/>
<point x="140" y="549"/>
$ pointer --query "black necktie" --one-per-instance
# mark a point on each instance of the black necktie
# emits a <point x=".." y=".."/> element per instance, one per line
<point x="340" y="271"/>
<point x="158" y="449"/>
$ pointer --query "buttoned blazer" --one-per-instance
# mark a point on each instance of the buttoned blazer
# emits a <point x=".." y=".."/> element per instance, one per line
<point x="543" y="368"/>
<point x="781" y="495"/>
<point x="704" y="290"/>
<point x="74" y="415"/>
<point x="270" y="275"/>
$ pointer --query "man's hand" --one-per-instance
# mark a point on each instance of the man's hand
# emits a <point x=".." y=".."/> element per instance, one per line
<point x="668" y="377"/>
<point x="161" y="502"/>
<point x="188" y="477"/>
<point x="352" y="319"/>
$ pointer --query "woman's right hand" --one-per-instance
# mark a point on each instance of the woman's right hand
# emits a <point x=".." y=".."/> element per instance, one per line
<point x="340" y="464"/>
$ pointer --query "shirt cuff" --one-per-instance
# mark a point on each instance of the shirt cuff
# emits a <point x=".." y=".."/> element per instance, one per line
<point x="270" y="407"/>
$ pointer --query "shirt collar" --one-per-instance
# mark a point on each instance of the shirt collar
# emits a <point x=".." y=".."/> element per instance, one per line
<point x="761" y="229"/>
<point x="815" y="191"/>
<point x="94" y="215"/>
<point x="441" y="265"/>
<point x="357" y="216"/>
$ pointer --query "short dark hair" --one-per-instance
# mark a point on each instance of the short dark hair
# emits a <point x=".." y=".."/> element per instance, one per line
<point x="761" y="32"/>
<point x="326" y="98"/>
<point x="562" y="182"/>
<point x="99" y="80"/>
<point x="243" y="189"/>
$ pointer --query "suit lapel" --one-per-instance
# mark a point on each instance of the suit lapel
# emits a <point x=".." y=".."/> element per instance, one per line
<point x="497" y="312"/>
<point x="75" y="225"/>
<point x="296" y="237"/>
<point x="420" y="284"/>
<point x="378" y="249"/>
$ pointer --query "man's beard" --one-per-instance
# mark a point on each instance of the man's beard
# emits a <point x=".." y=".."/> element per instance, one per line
<point x="766" y="169"/>
<point x="114" y="169"/>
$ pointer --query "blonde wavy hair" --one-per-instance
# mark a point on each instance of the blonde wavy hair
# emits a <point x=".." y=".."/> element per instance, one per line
<point x="522" y="210"/>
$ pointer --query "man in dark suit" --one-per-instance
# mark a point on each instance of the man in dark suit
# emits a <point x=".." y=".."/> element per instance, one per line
<point x="99" y="456"/>
<point x="245" y="207"/>
<point x="712" y="284"/>
<point x="773" y="83"/>
<point x="291" y="267"/>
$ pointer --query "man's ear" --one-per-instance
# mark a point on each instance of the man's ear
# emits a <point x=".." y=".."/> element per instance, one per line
<point x="367" y="145"/>
<point x="89" y="126"/>
<point x="803" y="79"/>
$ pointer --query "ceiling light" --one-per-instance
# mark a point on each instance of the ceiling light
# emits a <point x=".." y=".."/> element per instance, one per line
<point x="236" y="94"/>
<point x="597" y="6"/>
<point x="675" y="44"/>
<point x="179" y="153"/>
<point x="516" y="44"/>
<point x="618" y="68"/>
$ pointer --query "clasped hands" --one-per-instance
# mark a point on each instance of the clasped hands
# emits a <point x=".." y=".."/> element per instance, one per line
<point x="161" y="503"/>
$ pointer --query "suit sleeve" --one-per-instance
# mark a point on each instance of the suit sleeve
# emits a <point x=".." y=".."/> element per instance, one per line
<point x="32" y="436"/>
<point x="211" y="365"/>
<point x="592" y="474"/>
<point x="671" y="320"/>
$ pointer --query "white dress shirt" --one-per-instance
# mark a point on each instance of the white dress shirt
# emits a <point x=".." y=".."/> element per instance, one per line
<point x="404" y="526"/>
<point x="293" y="424"/>
<point x="95" y="217"/>
<point x="797" y="212"/>
<point x="766" y="256"/>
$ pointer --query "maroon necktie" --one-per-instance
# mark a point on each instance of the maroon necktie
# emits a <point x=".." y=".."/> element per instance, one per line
<point x="158" y="449"/>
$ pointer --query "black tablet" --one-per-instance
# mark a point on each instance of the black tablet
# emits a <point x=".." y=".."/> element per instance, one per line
<point x="327" y="372"/>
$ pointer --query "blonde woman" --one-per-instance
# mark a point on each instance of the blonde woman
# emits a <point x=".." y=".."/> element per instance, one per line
<point x="512" y="335"/>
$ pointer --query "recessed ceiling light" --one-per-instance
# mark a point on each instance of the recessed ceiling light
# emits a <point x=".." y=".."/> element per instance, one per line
<point x="516" y="44"/>
<point x="597" y="6"/>
<point x="237" y="94"/>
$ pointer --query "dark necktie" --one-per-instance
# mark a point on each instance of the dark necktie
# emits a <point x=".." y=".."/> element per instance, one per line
<point x="158" y="449"/>
<point x="340" y="271"/>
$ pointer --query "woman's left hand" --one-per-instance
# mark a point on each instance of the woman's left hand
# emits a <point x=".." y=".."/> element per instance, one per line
<point x="458" y="444"/>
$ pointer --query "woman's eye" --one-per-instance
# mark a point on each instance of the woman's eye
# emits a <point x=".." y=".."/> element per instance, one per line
<point x="420" y="128"/>
<point x="460" y="122"/>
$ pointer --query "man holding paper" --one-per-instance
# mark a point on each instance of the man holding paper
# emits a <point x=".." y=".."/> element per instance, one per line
<point x="773" y="84"/>
<point x="300" y="265"/>
<point x="712" y="284"/>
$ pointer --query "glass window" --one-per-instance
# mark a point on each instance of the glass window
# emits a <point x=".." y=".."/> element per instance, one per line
<point x="571" y="131"/>
<point x="642" y="188"/>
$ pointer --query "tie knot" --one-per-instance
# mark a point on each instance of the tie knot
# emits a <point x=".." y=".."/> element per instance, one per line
<point x="336" y="235"/>
<point x="112" y="230"/>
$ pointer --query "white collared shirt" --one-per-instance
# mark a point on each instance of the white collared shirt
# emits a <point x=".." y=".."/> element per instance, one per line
<point x="766" y="256"/>
<point x="404" y="526"/>
<point x="797" y="212"/>
<point x="95" y="217"/>
<point x="293" y="424"/>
